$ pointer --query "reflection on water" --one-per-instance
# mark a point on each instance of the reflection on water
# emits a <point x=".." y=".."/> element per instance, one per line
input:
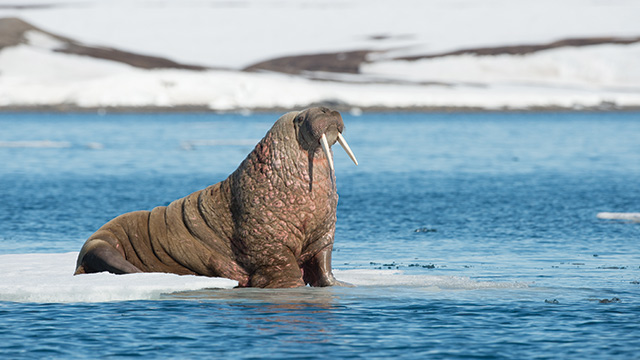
<point x="304" y="295"/>
<point x="302" y="314"/>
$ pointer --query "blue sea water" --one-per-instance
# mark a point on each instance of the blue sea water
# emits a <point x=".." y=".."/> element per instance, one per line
<point x="506" y="198"/>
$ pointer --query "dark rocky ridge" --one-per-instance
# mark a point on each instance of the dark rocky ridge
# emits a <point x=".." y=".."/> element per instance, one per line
<point x="13" y="32"/>
<point x="349" y="61"/>
<point x="527" y="49"/>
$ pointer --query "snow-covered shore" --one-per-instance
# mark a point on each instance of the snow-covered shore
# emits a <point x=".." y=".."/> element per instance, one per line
<point x="227" y="37"/>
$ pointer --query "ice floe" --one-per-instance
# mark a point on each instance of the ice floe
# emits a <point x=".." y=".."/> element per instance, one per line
<point x="48" y="278"/>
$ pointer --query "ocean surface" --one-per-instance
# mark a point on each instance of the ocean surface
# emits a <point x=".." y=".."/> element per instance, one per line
<point x="469" y="235"/>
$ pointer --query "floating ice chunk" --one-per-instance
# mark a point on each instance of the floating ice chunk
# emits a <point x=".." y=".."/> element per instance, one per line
<point x="399" y="278"/>
<point x="635" y="217"/>
<point x="355" y="111"/>
<point x="94" y="146"/>
<point x="35" y="144"/>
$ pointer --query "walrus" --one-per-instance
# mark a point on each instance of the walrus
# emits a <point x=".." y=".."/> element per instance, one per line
<point x="270" y="224"/>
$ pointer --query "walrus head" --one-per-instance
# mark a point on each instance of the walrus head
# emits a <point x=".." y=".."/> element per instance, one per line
<point x="321" y="127"/>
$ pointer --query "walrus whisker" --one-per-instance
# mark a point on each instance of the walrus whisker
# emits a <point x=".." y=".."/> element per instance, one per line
<point x="327" y="151"/>
<point x="347" y="149"/>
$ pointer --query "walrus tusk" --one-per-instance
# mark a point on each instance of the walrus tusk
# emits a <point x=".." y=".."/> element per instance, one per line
<point x="345" y="146"/>
<point x="327" y="152"/>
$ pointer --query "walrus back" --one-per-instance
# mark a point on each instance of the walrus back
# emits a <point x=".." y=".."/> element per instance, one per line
<point x="130" y="235"/>
<point x="181" y="238"/>
<point x="187" y="237"/>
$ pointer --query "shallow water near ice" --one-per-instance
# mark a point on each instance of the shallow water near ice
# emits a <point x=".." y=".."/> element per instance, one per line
<point x="467" y="235"/>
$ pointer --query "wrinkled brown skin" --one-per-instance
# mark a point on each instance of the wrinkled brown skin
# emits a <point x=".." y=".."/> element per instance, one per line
<point x="271" y="223"/>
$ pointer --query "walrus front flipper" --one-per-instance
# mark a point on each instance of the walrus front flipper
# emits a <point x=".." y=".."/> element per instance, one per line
<point x="98" y="256"/>
<point x="317" y="271"/>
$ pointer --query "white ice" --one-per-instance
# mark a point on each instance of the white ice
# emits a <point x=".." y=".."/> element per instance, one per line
<point x="35" y="144"/>
<point x="635" y="217"/>
<point x="48" y="278"/>
<point x="361" y="277"/>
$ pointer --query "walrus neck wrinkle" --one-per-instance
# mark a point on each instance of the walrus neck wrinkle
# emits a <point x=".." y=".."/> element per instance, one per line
<point x="277" y="159"/>
<point x="271" y="197"/>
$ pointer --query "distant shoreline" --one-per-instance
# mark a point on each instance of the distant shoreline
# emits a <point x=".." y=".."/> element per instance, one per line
<point x="353" y="110"/>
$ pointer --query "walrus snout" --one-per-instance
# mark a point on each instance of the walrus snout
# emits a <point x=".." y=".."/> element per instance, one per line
<point x="314" y="122"/>
<point x="321" y="125"/>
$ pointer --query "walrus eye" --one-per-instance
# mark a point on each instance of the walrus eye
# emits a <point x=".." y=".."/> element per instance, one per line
<point x="343" y="143"/>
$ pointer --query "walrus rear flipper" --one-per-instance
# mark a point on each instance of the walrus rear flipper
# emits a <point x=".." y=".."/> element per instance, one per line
<point x="100" y="256"/>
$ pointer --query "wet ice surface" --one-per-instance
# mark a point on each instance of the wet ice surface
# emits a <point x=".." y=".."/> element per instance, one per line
<point x="468" y="235"/>
<point x="47" y="278"/>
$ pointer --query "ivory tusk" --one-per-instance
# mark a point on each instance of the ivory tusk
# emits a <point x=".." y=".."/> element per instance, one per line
<point x="346" y="148"/>
<point x="327" y="150"/>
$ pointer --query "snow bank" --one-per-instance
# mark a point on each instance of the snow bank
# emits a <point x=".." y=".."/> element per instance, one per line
<point x="591" y="67"/>
<point x="229" y="35"/>
<point x="48" y="278"/>
<point x="92" y="83"/>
